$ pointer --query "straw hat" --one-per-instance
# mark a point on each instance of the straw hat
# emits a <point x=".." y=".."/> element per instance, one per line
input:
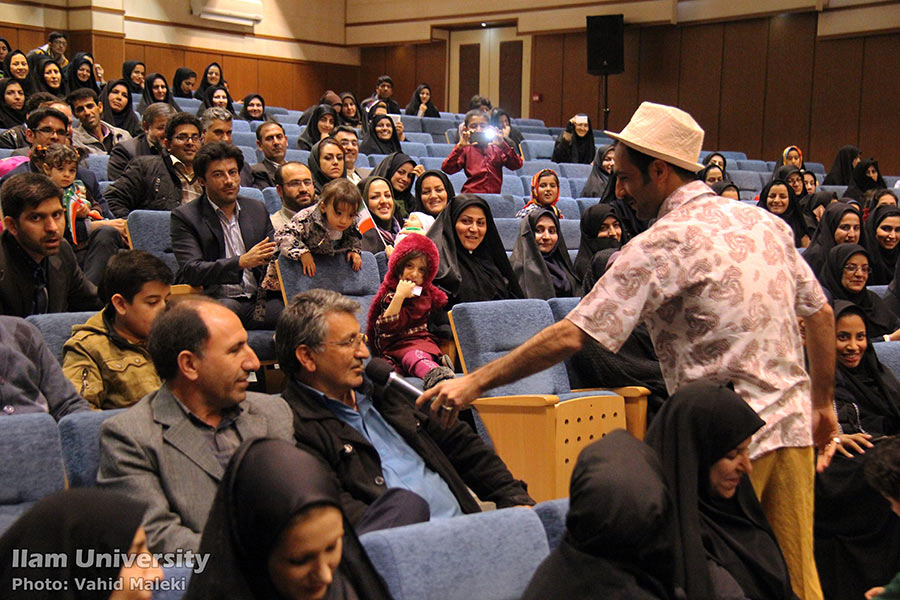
<point x="664" y="132"/>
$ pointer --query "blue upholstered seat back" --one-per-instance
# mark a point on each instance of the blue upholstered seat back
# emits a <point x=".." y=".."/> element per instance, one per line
<point x="57" y="328"/>
<point x="80" y="436"/>
<point x="334" y="273"/>
<point x="31" y="438"/>
<point x="271" y="199"/>
<point x="488" y="556"/>
<point x="150" y="230"/>
<point x="560" y="307"/>
<point x="889" y="355"/>
<point x="536" y="149"/>
<point x="488" y="330"/>
<point x="552" y="514"/>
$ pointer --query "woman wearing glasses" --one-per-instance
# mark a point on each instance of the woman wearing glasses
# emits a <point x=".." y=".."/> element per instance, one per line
<point x="844" y="277"/>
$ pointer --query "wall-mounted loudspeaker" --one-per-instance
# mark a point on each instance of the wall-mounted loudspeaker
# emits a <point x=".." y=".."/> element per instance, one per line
<point x="605" y="44"/>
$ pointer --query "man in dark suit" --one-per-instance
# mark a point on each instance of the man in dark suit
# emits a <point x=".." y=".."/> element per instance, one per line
<point x="38" y="269"/>
<point x="375" y="439"/>
<point x="171" y="448"/>
<point x="153" y="122"/>
<point x="223" y="243"/>
<point x="271" y="141"/>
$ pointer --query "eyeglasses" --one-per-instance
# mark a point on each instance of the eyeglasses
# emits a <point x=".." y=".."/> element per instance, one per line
<point x="854" y="268"/>
<point x="298" y="182"/>
<point x="346" y="143"/>
<point x="183" y="137"/>
<point x="51" y="131"/>
<point x="352" y="342"/>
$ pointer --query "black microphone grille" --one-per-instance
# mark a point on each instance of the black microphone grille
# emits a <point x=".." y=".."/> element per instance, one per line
<point x="378" y="370"/>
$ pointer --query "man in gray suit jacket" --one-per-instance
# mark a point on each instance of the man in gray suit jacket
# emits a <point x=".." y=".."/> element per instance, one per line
<point x="170" y="449"/>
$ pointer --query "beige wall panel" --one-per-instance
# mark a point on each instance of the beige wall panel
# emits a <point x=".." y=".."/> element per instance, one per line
<point x="297" y="19"/>
<point x="708" y="10"/>
<point x="858" y="21"/>
<point x="238" y="43"/>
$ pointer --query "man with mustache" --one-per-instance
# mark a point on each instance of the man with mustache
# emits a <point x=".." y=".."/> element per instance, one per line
<point x="95" y="134"/>
<point x="271" y="141"/>
<point x="38" y="269"/>
<point x="223" y="243"/>
<point x="294" y="183"/>
<point x="383" y="450"/>
<point x="171" y="448"/>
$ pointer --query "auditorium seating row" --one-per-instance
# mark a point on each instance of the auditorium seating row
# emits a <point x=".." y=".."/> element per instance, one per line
<point x="490" y="555"/>
<point x="750" y="175"/>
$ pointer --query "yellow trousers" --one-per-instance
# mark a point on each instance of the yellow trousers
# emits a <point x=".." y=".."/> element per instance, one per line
<point x="784" y="481"/>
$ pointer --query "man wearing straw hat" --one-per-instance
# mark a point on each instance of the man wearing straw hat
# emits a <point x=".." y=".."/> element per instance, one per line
<point x="720" y="287"/>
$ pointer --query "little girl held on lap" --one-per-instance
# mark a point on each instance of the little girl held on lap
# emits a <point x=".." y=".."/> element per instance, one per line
<point x="398" y="319"/>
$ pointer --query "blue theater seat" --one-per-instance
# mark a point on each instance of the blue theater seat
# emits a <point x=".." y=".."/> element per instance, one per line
<point x="244" y="138"/>
<point x="80" y="436"/>
<point x="272" y="200"/>
<point x="575" y="170"/>
<point x="149" y="230"/>
<point x="332" y="273"/>
<point x="537" y="149"/>
<point x="552" y="514"/>
<point x="98" y="163"/>
<point x="56" y="328"/>
<point x="488" y="556"/>
<point x="33" y="437"/>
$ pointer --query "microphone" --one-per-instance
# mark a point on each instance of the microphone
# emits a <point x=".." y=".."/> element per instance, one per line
<point x="381" y="372"/>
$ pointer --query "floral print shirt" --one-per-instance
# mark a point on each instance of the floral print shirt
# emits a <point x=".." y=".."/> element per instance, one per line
<point x="720" y="286"/>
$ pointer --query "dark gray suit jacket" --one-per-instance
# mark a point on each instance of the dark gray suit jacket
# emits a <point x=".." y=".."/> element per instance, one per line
<point x="68" y="290"/>
<point x="263" y="174"/>
<point x="154" y="453"/>
<point x="199" y="242"/>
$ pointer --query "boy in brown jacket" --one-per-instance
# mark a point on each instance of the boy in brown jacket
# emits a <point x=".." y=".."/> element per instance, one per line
<point x="106" y="359"/>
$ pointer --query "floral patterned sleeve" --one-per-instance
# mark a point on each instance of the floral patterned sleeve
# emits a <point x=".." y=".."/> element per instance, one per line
<point x="634" y="285"/>
<point x="356" y="242"/>
<point x="291" y="239"/>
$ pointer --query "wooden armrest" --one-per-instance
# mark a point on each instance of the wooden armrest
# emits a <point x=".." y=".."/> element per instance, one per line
<point x="183" y="288"/>
<point x="628" y="391"/>
<point x="536" y="400"/>
<point x="631" y="391"/>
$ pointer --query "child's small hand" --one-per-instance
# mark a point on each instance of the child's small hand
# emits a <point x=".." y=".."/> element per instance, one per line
<point x="464" y="138"/>
<point x="404" y="288"/>
<point x="355" y="260"/>
<point x="309" y="265"/>
<point x="418" y="170"/>
<point x="83" y="210"/>
<point x="388" y="250"/>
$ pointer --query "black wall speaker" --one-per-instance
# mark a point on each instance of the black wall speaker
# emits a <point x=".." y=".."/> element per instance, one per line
<point x="605" y="44"/>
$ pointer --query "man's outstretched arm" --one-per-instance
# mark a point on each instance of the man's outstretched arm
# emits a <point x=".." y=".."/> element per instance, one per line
<point x="553" y="344"/>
